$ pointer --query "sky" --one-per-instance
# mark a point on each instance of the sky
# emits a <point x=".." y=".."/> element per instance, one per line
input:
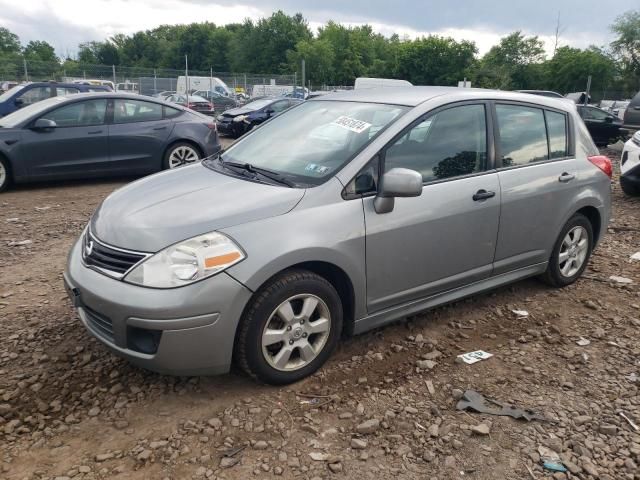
<point x="66" y="23"/>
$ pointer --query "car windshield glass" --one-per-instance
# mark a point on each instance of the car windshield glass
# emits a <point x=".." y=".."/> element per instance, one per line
<point x="19" y="116"/>
<point x="311" y="142"/>
<point x="258" y="104"/>
<point x="9" y="93"/>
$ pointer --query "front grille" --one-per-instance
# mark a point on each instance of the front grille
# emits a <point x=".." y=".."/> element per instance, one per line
<point x="114" y="260"/>
<point x="100" y="324"/>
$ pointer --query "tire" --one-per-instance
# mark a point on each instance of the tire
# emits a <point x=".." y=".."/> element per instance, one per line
<point x="5" y="174"/>
<point x="278" y="352"/>
<point x="575" y="254"/>
<point x="180" y="154"/>
<point x="630" y="189"/>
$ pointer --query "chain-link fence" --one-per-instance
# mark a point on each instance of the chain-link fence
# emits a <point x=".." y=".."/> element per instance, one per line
<point x="148" y="81"/>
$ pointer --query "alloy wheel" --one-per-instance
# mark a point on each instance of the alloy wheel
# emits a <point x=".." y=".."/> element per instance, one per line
<point x="183" y="155"/>
<point x="296" y="332"/>
<point x="573" y="251"/>
<point x="3" y="175"/>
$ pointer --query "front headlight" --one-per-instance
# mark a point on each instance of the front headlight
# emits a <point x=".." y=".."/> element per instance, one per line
<point x="240" y="118"/>
<point x="636" y="138"/>
<point x="187" y="262"/>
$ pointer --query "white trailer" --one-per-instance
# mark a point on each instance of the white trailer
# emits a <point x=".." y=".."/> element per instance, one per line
<point x="203" y="83"/>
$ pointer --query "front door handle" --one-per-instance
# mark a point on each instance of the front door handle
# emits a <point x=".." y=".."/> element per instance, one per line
<point x="160" y="128"/>
<point x="483" y="195"/>
<point x="566" y="177"/>
<point x="94" y="132"/>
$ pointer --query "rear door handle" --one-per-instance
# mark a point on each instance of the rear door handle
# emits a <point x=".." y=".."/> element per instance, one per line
<point x="566" y="177"/>
<point x="94" y="132"/>
<point x="483" y="195"/>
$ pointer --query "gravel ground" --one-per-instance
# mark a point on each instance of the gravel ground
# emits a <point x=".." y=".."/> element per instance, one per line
<point x="382" y="408"/>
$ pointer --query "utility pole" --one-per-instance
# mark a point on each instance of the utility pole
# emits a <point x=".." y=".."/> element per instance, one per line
<point x="113" y="70"/>
<point x="26" y="72"/>
<point x="586" y="97"/>
<point x="303" y="73"/>
<point x="186" y="76"/>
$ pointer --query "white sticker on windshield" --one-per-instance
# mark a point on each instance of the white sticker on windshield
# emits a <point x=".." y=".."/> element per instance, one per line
<point x="357" y="126"/>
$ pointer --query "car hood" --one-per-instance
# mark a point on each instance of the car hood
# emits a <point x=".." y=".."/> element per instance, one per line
<point x="233" y="112"/>
<point x="160" y="210"/>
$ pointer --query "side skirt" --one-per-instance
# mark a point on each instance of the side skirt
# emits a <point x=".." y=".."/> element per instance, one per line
<point x="389" y="315"/>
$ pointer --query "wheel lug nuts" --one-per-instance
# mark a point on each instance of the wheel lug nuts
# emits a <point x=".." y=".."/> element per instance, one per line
<point x="301" y="322"/>
<point x="304" y="335"/>
<point x="290" y="342"/>
<point x="289" y="328"/>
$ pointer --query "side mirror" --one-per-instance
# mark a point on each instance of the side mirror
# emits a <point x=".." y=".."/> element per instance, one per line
<point x="44" y="124"/>
<point x="19" y="102"/>
<point x="397" y="182"/>
<point x="608" y="120"/>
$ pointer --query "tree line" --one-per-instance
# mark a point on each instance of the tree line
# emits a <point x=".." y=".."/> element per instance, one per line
<point x="337" y="54"/>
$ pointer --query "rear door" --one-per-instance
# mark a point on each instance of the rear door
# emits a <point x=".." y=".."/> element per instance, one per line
<point x="539" y="182"/>
<point x="137" y="136"/>
<point x="632" y="113"/>
<point x="76" y="147"/>
<point x="599" y="123"/>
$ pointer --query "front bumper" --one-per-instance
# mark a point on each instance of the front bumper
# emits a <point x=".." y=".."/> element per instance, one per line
<point x="194" y="325"/>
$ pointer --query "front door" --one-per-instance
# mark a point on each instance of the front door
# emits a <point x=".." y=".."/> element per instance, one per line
<point x="446" y="237"/>
<point x="76" y="147"/>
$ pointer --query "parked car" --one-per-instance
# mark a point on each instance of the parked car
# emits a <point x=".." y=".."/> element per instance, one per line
<point x="345" y="213"/>
<point x="99" y="135"/>
<point x="193" y="102"/>
<point x="543" y="93"/>
<point x="164" y="95"/>
<point x="615" y="107"/>
<point x="221" y="103"/>
<point x="603" y="126"/>
<point x="29" y="93"/>
<point x="630" y="166"/>
<point x="632" y="113"/>
<point x="237" y="121"/>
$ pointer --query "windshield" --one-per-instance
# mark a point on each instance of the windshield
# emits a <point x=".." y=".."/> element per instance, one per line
<point x="19" y="116"/>
<point x="258" y="104"/>
<point x="9" y="93"/>
<point x="313" y="141"/>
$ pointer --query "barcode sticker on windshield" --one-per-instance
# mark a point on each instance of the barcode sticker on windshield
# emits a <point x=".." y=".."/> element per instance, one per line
<point x="357" y="126"/>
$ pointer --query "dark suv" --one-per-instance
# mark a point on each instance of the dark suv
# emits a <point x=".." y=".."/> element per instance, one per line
<point x="29" y="93"/>
<point x="632" y="113"/>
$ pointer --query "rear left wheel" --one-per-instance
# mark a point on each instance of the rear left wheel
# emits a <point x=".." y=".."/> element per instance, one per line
<point x="181" y="154"/>
<point x="571" y="252"/>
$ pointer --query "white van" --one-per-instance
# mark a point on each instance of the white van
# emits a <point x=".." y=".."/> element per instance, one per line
<point x="203" y="83"/>
<point x="367" y="82"/>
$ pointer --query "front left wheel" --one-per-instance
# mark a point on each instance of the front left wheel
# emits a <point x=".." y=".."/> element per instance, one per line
<point x="5" y="175"/>
<point x="290" y="328"/>
<point x="180" y="154"/>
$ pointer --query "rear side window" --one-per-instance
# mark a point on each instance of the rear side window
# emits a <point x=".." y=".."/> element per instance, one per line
<point x="557" y="130"/>
<point x="79" y="114"/>
<point x="170" y="112"/>
<point x="523" y="135"/>
<point x="448" y="144"/>
<point x="129" y="111"/>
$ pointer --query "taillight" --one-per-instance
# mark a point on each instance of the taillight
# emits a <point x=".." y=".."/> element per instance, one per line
<point x="212" y="126"/>
<point x="190" y="105"/>
<point x="603" y="163"/>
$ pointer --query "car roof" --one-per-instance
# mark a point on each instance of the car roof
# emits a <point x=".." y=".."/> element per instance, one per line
<point x="413" y="96"/>
<point x="77" y="97"/>
<point x="63" y="84"/>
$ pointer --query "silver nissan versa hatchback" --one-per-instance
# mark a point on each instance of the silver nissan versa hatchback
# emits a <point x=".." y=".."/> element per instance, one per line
<point x="342" y="214"/>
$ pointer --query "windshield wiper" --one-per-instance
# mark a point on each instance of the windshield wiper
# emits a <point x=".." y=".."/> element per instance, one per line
<point x="265" y="172"/>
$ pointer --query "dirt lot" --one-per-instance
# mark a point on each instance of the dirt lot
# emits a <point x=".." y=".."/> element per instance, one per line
<point x="70" y="409"/>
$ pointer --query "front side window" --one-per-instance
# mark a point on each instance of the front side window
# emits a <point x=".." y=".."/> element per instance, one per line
<point x="447" y="144"/>
<point x="523" y="135"/>
<point x="34" y="95"/>
<point x="79" y="114"/>
<point x="311" y="142"/>
<point x="128" y="111"/>
<point x="557" y="130"/>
